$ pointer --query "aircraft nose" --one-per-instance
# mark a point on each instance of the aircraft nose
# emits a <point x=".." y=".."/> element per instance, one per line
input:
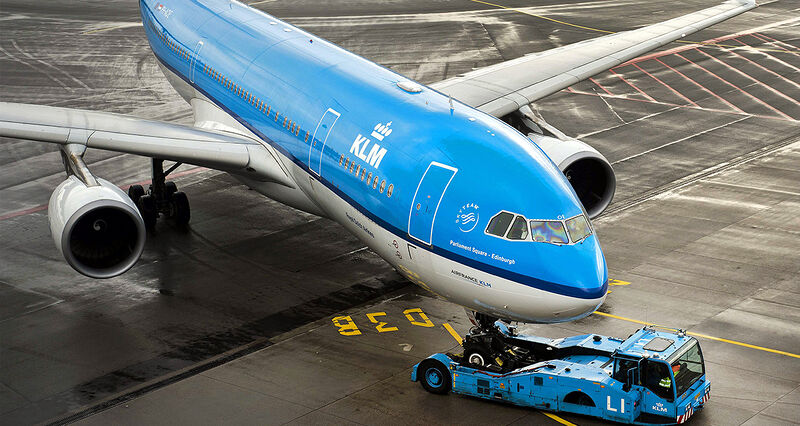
<point x="587" y="279"/>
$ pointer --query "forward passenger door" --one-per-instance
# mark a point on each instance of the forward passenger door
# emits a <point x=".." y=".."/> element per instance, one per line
<point x="430" y="190"/>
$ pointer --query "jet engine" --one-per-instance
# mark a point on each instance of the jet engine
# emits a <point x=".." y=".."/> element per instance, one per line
<point x="97" y="228"/>
<point x="589" y="173"/>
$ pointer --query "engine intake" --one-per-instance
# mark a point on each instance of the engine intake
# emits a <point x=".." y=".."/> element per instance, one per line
<point x="589" y="173"/>
<point x="97" y="229"/>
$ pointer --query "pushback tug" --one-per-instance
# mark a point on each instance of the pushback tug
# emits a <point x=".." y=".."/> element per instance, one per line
<point x="654" y="376"/>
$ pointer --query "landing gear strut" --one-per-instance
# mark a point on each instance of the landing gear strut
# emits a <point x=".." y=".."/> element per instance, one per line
<point x="162" y="197"/>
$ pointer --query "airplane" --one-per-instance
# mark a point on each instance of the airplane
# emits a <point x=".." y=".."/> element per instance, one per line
<point x="459" y="185"/>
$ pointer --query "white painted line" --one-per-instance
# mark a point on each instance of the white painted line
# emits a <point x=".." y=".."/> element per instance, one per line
<point x="630" y="122"/>
<point x="679" y="140"/>
<point x="735" y="185"/>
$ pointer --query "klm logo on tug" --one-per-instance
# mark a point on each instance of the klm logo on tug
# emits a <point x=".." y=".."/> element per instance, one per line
<point x="376" y="152"/>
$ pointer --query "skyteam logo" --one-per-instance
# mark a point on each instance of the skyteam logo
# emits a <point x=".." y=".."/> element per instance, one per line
<point x="375" y="154"/>
<point x="468" y="217"/>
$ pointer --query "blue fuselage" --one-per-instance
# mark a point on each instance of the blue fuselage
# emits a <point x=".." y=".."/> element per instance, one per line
<point x="408" y="165"/>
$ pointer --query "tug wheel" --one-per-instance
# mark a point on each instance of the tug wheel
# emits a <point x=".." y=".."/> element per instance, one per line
<point x="434" y="377"/>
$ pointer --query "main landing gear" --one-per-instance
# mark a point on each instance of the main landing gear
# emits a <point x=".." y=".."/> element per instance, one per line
<point x="162" y="197"/>
<point x="491" y="345"/>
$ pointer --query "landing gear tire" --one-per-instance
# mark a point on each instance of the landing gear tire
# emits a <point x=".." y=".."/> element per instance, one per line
<point x="434" y="377"/>
<point x="477" y="358"/>
<point x="135" y="192"/>
<point x="162" y="198"/>
<point x="170" y="188"/>
<point x="147" y="208"/>
<point x="181" y="212"/>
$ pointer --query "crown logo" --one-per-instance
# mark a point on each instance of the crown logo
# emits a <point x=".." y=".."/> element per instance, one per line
<point x="381" y="131"/>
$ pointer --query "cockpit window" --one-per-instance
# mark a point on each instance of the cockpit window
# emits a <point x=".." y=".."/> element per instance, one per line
<point x="549" y="231"/>
<point x="519" y="229"/>
<point x="499" y="224"/>
<point x="578" y="228"/>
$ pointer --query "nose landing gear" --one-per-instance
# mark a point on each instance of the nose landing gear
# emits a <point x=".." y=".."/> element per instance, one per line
<point x="161" y="198"/>
<point x="491" y="345"/>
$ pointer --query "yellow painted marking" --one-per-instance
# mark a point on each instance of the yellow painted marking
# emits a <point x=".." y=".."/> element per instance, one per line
<point x="100" y="30"/>
<point x="613" y="32"/>
<point x="704" y="336"/>
<point x="612" y="282"/>
<point x="426" y="322"/>
<point x="347" y="327"/>
<point x="559" y="419"/>
<point x="381" y="327"/>
<point x="543" y="17"/>
<point x="453" y="333"/>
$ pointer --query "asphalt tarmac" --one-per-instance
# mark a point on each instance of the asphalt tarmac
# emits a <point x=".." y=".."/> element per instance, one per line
<point x="230" y="321"/>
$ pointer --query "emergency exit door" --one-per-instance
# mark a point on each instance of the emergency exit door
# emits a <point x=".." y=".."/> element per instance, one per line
<point x="195" y="60"/>
<point x="426" y="202"/>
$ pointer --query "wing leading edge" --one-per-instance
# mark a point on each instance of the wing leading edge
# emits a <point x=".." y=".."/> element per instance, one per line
<point x="150" y="138"/>
<point x="503" y="88"/>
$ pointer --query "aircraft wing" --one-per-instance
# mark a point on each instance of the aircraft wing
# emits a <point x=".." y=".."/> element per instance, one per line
<point x="151" y="138"/>
<point x="505" y="87"/>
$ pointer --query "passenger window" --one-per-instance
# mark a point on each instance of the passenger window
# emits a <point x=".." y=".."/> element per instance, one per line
<point x="363" y="173"/>
<point x="499" y="224"/>
<point x="518" y="230"/>
<point x="341" y="159"/>
<point x="549" y="231"/>
<point x="375" y="183"/>
<point x="347" y="163"/>
<point x="383" y="186"/>
<point x="390" y="190"/>
<point x="369" y="178"/>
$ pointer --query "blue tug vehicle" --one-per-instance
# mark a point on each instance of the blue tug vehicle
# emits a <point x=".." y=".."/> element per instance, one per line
<point x="654" y="377"/>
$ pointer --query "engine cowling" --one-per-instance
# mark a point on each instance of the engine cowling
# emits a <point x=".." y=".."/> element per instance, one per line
<point x="589" y="173"/>
<point x="97" y="229"/>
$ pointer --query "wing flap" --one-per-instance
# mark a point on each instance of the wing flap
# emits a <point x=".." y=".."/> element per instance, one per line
<point x="149" y="138"/>
<point x="505" y="87"/>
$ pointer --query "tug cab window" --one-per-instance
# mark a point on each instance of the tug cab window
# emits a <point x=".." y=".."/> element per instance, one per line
<point x="578" y="228"/>
<point x="499" y="224"/>
<point x="519" y="229"/>
<point x="687" y="368"/>
<point x="621" y="368"/>
<point x="659" y="379"/>
<point x="549" y="231"/>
